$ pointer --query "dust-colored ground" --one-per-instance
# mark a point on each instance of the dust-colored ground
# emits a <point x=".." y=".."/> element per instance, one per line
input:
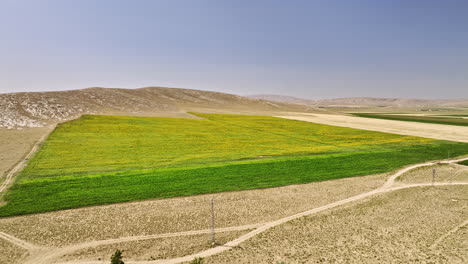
<point x="152" y="249"/>
<point x="269" y="204"/>
<point x="443" y="173"/>
<point x="396" y="227"/>
<point x="15" y="144"/>
<point x="436" y="131"/>
<point x="10" y="253"/>
<point x="181" y="214"/>
<point x="454" y="245"/>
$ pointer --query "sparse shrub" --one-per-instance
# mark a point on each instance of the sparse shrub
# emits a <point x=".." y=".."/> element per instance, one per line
<point x="197" y="261"/>
<point x="117" y="257"/>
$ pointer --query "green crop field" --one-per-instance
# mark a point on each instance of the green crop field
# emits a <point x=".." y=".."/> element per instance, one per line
<point x="106" y="159"/>
<point x="457" y="115"/>
<point x="452" y="120"/>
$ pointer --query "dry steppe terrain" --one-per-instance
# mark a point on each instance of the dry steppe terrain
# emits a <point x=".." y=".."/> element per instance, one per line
<point x="357" y="102"/>
<point x="440" y="173"/>
<point x="436" y="131"/>
<point x="414" y="225"/>
<point x="15" y="144"/>
<point x="403" y="225"/>
<point x="399" y="227"/>
<point x="151" y="249"/>
<point x="38" y="109"/>
<point x="65" y="228"/>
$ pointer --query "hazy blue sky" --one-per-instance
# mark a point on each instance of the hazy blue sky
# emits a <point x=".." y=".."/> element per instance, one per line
<point x="313" y="49"/>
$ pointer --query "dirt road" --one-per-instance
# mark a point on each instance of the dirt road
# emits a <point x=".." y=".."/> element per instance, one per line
<point x="47" y="256"/>
<point x="50" y="255"/>
<point x="11" y="174"/>
<point x="436" y="131"/>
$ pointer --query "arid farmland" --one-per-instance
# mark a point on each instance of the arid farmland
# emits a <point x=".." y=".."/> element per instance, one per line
<point x="106" y="159"/>
<point x="86" y="162"/>
<point x="233" y="132"/>
<point x="402" y="226"/>
<point x="138" y="221"/>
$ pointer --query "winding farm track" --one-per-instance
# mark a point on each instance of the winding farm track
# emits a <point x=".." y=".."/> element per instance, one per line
<point x="40" y="255"/>
<point x="18" y="242"/>
<point x="50" y="255"/>
<point x="452" y="231"/>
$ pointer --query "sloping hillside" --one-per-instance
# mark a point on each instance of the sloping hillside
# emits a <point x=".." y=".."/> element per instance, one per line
<point x="37" y="109"/>
<point x="392" y="102"/>
<point x="366" y="101"/>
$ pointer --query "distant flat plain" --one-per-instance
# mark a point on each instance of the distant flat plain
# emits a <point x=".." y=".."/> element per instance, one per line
<point x="436" y="131"/>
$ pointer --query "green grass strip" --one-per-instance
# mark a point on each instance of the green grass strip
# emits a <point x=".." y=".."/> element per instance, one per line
<point x="35" y="195"/>
<point x="420" y="119"/>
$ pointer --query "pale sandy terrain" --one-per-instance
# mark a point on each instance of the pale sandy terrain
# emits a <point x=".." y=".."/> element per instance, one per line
<point x="181" y="214"/>
<point x="396" y="227"/>
<point x="11" y="253"/>
<point x="69" y="227"/>
<point x="152" y="249"/>
<point x="50" y="255"/>
<point x="15" y="144"/>
<point x="443" y="173"/>
<point x="436" y="131"/>
<point x="58" y="229"/>
<point x="371" y="102"/>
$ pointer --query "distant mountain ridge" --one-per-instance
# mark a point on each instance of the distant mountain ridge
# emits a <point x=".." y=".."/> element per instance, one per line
<point x="366" y="101"/>
<point x="37" y="109"/>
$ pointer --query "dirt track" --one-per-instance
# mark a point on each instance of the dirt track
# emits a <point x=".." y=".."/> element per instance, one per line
<point x="450" y="232"/>
<point x="436" y="131"/>
<point x="47" y="255"/>
<point x="395" y="227"/>
<point x="10" y="175"/>
<point x="40" y="254"/>
<point x="15" y="145"/>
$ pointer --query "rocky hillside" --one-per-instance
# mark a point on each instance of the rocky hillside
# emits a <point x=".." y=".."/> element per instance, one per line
<point x="36" y="109"/>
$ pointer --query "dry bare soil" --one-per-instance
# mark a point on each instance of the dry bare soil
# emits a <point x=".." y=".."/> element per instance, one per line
<point x="440" y="173"/>
<point x="445" y="132"/>
<point x="64" y="228"/>
<point x="422" y="224"/>
<point x="368" y="102"/>
<point x="151" y="249"/>
<point x="15" y="144"/>
<point x="398" y="227"/>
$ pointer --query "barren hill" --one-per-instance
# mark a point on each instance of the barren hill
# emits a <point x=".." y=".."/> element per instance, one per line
<point x="37" y="109"/>
<point x="366" y="101"/>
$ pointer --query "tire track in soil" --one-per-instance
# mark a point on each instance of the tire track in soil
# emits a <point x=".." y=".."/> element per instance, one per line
<point x="48" y="255"/>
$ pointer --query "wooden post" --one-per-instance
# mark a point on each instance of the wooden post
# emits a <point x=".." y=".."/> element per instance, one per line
<point x="433" y="176"/>
<point x="213" y="242"/>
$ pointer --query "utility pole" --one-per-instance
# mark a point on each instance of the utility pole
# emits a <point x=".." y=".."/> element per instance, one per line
<point x="212" y="223"/>
<point x="433" y="176"/>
